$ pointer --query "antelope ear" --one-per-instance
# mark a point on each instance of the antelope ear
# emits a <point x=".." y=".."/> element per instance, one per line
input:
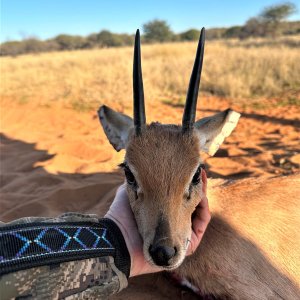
<point x="213" y="130"/>
<point x="116" y="126"/>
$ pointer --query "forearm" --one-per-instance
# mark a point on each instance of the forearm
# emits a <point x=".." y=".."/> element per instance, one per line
<point x="72" y="255"/>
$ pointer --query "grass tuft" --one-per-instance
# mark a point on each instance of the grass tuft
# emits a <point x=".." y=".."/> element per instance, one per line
<point x="238" y="70"/>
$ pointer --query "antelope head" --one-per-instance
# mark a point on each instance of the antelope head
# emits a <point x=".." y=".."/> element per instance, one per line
<point x="162" y="164"/>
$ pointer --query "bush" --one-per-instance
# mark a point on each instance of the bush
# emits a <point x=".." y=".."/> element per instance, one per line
<point x="12" y="48"/>
<point x="190" y="35"/>
<point x="70" y="42"/>
<point x="233" y="32"/>
<point x="157" y="31"/>
<point x="269" y="22"/>
<point x="215" y="33"/>
<point x="107" y="39"/>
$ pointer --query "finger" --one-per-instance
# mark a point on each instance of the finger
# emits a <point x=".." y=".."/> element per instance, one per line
<point x="201" y="218"/>
<point x="121" y="194"/>
<point x="202" y="211"/>
<point x="196" y="237"/>
<point x="121" y="188"/>
<point x="120" y="200"/>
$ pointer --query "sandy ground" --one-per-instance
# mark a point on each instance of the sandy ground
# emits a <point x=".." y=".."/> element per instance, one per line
<point x="55" y="160"/>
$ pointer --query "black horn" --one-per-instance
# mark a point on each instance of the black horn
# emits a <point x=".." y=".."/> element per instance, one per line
<point x="138" y="89"/>
<point x="189" y="114"/>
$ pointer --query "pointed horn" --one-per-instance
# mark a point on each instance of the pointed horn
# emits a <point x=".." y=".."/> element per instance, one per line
<point x="189" y="114"/>
<point x="138" y="89"/>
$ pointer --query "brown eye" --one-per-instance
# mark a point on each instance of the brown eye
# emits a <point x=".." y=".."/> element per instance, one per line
<point x="130" y="177"/>
<point x="197" y="175"/>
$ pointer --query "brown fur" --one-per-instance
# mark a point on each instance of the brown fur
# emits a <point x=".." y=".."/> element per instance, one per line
<point x="155" y="203"/>
<point x="251" y="247"/>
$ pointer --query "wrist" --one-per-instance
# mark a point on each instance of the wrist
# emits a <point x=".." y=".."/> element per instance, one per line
<point x="116" y="238"/>
<point x="127" y="242"/>
<point x="138" y="264"/>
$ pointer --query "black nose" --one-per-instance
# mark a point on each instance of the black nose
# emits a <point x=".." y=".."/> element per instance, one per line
<point x="162" y="254"/>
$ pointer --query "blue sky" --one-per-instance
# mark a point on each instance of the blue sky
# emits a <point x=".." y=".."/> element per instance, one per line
<point x="47" y="18"/>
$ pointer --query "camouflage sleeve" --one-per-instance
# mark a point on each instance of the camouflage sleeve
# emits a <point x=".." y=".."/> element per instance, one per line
<point x="73" y="256"/>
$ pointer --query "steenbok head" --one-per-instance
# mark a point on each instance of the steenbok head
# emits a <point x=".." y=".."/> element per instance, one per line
<point x="162" y="164"/>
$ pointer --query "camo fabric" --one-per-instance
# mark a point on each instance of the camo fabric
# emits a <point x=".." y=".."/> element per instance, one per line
<point x="91" y="278"/>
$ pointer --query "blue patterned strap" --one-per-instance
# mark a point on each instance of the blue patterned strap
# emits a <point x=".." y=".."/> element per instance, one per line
<point x="30" y="245"/>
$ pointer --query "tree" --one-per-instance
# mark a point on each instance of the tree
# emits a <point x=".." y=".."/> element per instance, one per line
<point x="233" y="32"/>
<point x="269" y="21"/>
<point x="107" y="39"/>
<point x="12" y="48"/>
<point x="91" y="40"/>
<point x="157" y="31"/>
<point x="254" y="27"/>
<point x="127" y="39"/>
<point x="190" y="35"/>
<point x="278" y="13"/>
<point x="32" y="45"/>
<point x="70" y="42"/>
<point x="215" y="33"/>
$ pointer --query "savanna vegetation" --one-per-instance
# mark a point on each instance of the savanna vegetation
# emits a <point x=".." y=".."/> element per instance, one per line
<point x="270" y="23"/>
<point x="240" y="64"/>
<point x="86" y="78"/>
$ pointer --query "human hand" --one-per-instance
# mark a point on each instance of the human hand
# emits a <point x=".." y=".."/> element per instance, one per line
<point x="200" y="219"/>
<point x="120" y="212"/>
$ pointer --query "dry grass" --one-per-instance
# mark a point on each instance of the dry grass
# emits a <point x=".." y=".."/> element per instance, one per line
<point x="85" y="79"/>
